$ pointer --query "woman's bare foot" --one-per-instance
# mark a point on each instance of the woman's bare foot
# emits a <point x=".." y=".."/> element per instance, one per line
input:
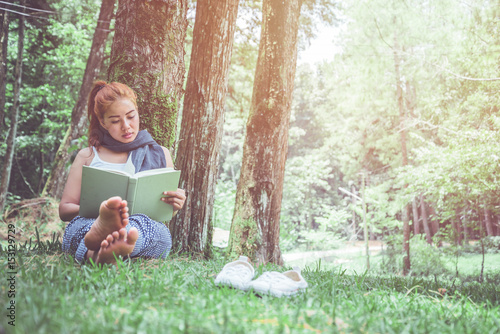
<point x="113" y="215"/>
<point x="118" y="243"/>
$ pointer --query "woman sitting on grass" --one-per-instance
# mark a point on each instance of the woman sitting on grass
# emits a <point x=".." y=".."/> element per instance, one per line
<point x="115" y="142"/>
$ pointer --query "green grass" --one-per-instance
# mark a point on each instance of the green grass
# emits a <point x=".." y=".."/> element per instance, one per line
<point x="178" y="295"/>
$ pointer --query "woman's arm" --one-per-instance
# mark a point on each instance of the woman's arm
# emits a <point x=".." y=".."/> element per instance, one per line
<point x="168" y="157"/>
<point x="70" y="201"/>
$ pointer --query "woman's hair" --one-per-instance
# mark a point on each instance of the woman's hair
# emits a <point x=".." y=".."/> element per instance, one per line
<point x="101" y="97"/>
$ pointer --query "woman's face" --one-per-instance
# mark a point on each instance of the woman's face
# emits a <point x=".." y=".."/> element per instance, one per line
<point x="122" y="120"/>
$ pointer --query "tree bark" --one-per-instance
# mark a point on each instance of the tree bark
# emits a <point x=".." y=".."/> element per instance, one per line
<point x="434" y="223"/>
<point x="416" y="220"/>
<point x="11" y="139"/>
<point x="4" y="37"/>
<point x="148" y="55"/>
<point x="57" y="179"/>
<point x="202" y="121"/>
<point x="457" y="232"/>
<point x="488" y="222"/>
<point x="425" y="223"/>
<point x="255" y="225"/>
<point x="464" y="227"/>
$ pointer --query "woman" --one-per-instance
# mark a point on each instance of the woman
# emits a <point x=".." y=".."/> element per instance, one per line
<point x="115" y="142"/>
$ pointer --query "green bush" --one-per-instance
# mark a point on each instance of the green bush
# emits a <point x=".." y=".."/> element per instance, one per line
<point x="491" y="245"/>
<point x="426" y="260"/>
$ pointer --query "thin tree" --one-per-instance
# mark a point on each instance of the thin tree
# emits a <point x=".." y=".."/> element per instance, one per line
<point x="4" y="37"/>
<point x="416" y="220"/>
<point x="57" y="179"/>
<point x="148" y="55"/>
<point x="255" y="225"/>
<point x="202" y="121"/>
<point x="14" y="116"/>
<point x="425" y="221"/>
<point x="402" y="131"/>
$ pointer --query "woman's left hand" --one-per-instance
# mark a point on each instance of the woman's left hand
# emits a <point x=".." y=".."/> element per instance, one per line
<point x="175" y="198"/>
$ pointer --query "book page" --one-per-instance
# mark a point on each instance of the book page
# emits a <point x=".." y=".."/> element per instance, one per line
<point x="154" y="171"/>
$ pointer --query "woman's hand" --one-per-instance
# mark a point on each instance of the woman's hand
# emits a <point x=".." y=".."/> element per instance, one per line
<point x="175" y="198"/>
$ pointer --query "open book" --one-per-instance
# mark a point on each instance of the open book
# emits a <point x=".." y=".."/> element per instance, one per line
<point x="142" y="191"/>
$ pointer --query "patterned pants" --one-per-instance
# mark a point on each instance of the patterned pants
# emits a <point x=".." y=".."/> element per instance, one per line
<point x="154" y="239"/>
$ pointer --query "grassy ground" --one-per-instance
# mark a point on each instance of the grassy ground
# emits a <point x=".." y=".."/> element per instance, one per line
<point x="55" y="295"/>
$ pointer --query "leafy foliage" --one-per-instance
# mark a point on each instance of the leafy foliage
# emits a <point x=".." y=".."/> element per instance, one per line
<point x="55" y="59"/>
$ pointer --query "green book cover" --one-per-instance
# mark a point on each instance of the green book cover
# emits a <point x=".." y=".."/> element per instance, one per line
<point x="142" y="191"/>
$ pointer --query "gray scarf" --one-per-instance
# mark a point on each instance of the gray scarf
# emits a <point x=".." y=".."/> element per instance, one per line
<point x="146" y="153"/>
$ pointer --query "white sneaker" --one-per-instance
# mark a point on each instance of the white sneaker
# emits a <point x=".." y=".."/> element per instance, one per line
<point x="279" y="284"/>
<point x="236" y="274"/>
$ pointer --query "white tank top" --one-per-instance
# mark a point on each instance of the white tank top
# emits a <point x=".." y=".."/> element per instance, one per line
<point x="127" y="167"/>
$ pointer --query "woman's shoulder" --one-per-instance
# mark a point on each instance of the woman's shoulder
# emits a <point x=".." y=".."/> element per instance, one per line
<point x="87" y="151"/>
<point x="85" y="156"/>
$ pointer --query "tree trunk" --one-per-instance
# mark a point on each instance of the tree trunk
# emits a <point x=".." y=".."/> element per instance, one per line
<point x="488" y="222"/>
<point x="464" y="227"/>
<point x="425" y="223"/>
<point x="457" y="227"/>
<point x="365" y="221"/>
<point x="57" y="179"/>
<point x="14" y="116"/>
<point x="416" y="220"/>
<point x="433" y="221"/>
<point x="255" y="225"/>
<point x="402" y="132"/>
<point x="202" y="122"/>
<point x="457" y="232"/>
<point x="354" y="235"/>
<point x="4" y="37"/>
<point x="148" y="55"/>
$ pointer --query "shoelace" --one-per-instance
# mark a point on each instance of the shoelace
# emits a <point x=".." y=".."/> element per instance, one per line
<point x="237" y="270"/>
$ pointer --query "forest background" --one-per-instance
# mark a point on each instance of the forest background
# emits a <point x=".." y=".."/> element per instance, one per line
<point x="402" y="117"/>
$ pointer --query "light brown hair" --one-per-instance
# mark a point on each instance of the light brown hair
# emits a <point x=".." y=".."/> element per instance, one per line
<point x="101" y="97"/>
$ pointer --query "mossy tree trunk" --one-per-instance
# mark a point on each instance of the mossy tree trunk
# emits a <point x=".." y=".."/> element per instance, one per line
<point x="148" y="55"/>
<point x="57" y="179"/>
<point x="202" y="121"/>
<point x="255" y="227"/>
<point x="14" y="116"/>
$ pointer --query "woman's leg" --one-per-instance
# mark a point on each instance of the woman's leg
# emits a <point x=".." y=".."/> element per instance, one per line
<point x="83" y="234"/>
<point x="154" y="239"/>
<point x="74" y="234"/>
